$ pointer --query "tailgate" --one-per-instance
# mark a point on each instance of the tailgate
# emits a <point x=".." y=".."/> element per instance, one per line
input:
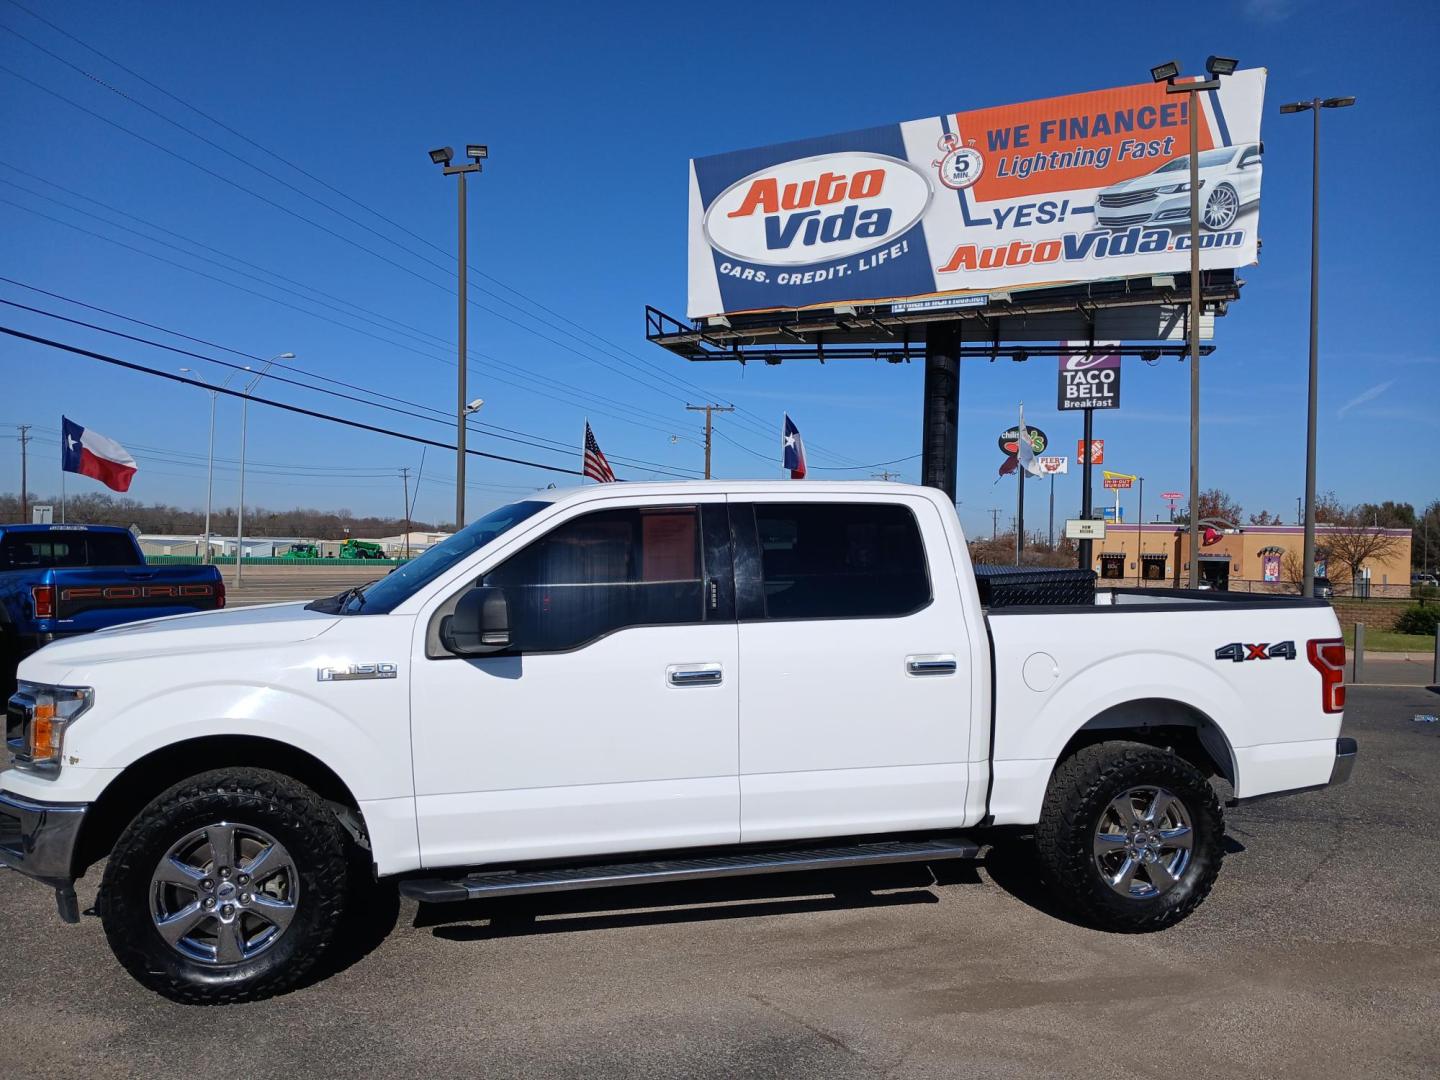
<point x="96" y="597"/>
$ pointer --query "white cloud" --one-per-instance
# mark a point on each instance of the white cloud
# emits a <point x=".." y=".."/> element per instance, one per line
<point x="1268" y="11"/>
<point x="1366" y="395"/>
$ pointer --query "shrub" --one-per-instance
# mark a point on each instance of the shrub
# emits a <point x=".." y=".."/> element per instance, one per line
<point x="1418" y="619"/>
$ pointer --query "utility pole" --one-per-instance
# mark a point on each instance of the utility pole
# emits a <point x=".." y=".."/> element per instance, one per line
<point x="994" y="521"/>
<point x="24" y="473"/>
<point x="1299" y="509"/>
<point x="405" y="479"/>
<point x="709" y="426"/>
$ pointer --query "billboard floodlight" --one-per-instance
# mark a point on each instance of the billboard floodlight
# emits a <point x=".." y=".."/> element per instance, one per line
<point x="1165" y="72"/>
<point x="475" y="152"/>
<point x="1221" y="65"/>
<point x="442" y="155"/>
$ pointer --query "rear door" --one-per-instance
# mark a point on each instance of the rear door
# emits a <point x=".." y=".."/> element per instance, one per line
<point x="855" y="701"/>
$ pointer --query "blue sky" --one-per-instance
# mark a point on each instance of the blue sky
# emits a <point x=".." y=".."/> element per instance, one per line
<point x="591" y="113"/>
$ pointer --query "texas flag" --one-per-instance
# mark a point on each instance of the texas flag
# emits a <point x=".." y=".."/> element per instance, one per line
<point x="91" y="454"/>
<point x="794" y="459"/>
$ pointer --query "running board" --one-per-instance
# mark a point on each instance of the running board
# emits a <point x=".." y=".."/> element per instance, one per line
<point x="562" y="879"/>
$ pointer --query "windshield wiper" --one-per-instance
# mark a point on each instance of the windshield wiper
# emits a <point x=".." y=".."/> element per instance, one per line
<point x="335" y="605"/>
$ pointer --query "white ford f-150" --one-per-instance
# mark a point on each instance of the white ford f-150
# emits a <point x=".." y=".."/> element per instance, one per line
<point x="648" y="682"/>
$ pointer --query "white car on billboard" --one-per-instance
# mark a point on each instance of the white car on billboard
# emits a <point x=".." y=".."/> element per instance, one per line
<point x="1229" y="182"/>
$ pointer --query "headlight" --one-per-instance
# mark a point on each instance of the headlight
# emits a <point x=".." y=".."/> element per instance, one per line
<point x="35" y="723"/>
<point x="1176" y="189"/>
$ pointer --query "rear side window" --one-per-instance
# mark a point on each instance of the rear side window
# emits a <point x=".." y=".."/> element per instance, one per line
<point x="41" y="551"/>
<point x="602" y="572"/>
<point x="840" y="560"/>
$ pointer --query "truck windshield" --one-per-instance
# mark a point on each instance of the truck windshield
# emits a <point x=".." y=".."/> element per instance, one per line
<point x="390" y="591"/>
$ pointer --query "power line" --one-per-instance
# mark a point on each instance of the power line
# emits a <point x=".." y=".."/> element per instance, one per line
<point x="755" y="424"/>
<point x="552" y="445"/>
<point x="649" y="371"/>
<point x="132" y="366"/>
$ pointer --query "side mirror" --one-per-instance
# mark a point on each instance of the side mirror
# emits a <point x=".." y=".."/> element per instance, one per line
<point x="480" y="624"/>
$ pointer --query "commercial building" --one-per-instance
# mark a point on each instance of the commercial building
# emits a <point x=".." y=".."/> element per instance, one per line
<point x="1253" y="558"/>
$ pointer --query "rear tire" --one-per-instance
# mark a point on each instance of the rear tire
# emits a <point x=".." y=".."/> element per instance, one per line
<point x="233" y="935"/>
<point x="1130" y="836"/>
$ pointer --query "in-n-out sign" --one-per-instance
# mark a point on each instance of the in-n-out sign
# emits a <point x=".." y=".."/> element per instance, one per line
<point x="1089" y="382"/>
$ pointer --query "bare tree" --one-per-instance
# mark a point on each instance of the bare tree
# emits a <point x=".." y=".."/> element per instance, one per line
<point x="1353" y="543"/>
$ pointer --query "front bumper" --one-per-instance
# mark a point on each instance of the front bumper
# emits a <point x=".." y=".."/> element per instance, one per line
<point x="39" y="839"/>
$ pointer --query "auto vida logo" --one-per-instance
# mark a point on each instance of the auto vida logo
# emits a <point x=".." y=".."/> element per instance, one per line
<point x="817" y="209"/>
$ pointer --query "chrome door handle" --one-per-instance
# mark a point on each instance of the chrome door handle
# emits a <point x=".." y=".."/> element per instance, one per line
<point x="931" y="664"/>
<point x="695" y="674"/>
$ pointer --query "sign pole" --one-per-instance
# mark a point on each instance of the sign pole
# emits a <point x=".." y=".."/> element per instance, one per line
<point x="1140" y="535"/>
<point x="1020" y="521"/>
<point x="1052" y="511"/>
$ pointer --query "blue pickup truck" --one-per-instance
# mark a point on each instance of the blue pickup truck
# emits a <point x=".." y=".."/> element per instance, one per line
<point x="60" y="580"/>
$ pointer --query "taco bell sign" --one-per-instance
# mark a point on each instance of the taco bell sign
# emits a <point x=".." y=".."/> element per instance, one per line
<point x="1089" y="381"/>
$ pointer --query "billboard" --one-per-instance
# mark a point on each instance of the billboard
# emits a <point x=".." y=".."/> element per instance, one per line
<point x="1070" y="189"/>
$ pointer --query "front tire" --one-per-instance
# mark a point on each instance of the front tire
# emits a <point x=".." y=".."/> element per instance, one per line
<point x="228" y="887"/>
<point x="1130" y="836"/>
<point x="1222" y="207"/>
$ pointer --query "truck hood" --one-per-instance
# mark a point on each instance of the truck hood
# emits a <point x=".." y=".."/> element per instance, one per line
<point x="178" y="635"/>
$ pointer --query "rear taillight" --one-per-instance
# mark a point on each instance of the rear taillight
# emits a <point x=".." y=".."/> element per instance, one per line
<point x="220" y="594"/>
<point x="1327" y="656"/>
<point x="43" y="597"/>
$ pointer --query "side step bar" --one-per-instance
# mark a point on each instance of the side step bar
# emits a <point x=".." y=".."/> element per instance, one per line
<point x="562" y="879"/>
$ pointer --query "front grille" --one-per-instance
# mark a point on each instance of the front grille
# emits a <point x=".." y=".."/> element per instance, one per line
<point x="1125" y="198"/>
<point x="1128" y="219"/>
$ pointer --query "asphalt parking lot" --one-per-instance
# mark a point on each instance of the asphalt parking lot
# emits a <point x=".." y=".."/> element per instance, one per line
<point x="1317" y="955"/>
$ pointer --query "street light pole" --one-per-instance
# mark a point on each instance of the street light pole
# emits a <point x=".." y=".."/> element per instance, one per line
<point x="240" y="509"/>
<point x="442" y="156"/>
<point x="1215" y="66"/>
<point x="210" y="453"/>
<point x="1312" y="414"/>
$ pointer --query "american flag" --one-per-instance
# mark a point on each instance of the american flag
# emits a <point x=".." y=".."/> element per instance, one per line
<point x="596" y="467"/>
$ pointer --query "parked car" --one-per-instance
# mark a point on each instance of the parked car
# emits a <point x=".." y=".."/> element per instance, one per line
<point x="1323" y="589"/>
<point x="1424" y="579"/>
<point x="57" y="581"/>
<point x="1229" y="182"/>
<point x="550" y="699"/>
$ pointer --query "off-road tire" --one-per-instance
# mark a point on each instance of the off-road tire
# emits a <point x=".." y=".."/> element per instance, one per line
<point x="1083" y="786"/>
<point x="285" y="809"/>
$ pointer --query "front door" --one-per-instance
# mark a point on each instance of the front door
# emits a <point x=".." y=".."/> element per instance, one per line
<point x="610" y="724"/>
<point x="855" y="711"/>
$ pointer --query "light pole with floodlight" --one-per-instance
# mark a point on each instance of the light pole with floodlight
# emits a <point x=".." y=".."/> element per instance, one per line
<point x="1311" y="419"/>
<point x="1215" y="66"/>
<point x="442" y="156"/>
<point x="244" y="416"/>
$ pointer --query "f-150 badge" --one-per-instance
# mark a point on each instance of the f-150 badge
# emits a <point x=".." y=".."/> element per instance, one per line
<point x="356" y="672"/>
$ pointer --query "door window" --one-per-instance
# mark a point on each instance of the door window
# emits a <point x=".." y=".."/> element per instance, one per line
<point x="840" y="560"/>
<point x="602" y="572"/>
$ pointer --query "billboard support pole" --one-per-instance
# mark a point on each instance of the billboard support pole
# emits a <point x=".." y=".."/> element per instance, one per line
<point x="1087" y="547"/>
<point x="1052" y="511"/>
<point x="940" y="436"/>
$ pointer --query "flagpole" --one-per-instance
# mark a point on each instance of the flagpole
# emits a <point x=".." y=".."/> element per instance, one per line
<point x="582" y="451"/>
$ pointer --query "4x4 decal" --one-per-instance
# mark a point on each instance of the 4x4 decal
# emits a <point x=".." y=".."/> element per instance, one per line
<point x="1239" y="653"/>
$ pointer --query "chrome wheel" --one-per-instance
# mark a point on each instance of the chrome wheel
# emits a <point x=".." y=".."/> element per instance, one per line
<point x="1221" y="208"/>
<point x="1143" y="842"/>
<point x="224" y="893"/>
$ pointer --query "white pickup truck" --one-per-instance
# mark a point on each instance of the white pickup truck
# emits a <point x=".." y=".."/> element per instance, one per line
<point x="648" y="682"/>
